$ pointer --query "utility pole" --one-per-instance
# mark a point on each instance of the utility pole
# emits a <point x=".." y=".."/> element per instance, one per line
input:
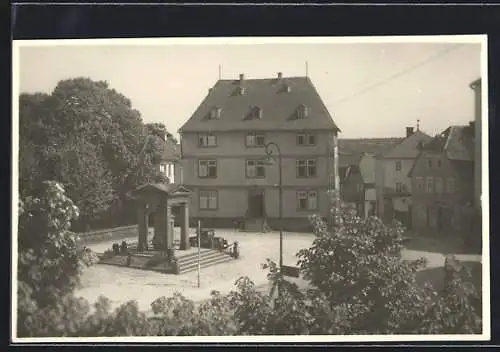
<point x="199" y="252"/>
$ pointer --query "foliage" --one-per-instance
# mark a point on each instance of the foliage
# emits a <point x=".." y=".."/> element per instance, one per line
<point x="357" y="265"/>
<point x="49" y="263"/>
<point x="359" y="284"/>
<point x="88" y="137"/>
<point x="160" y="130"/>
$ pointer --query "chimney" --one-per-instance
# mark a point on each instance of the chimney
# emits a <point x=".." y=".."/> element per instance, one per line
<point x="242" y="78"/>
<point x="409" y="131"/>
<point x="280" y="75"/>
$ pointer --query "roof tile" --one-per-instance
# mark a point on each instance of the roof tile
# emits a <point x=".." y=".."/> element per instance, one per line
<point x="279" y="106"/>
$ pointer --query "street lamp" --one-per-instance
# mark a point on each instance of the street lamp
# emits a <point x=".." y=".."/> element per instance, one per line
<point x="269" y="152"/>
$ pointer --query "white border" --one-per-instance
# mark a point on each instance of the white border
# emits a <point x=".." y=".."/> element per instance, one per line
<point x="466" y="39"/>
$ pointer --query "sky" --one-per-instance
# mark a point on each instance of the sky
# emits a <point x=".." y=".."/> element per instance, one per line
<point x="370" y="89"/>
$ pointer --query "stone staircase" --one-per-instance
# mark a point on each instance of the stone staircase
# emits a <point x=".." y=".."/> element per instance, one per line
<point x="208" y="257"/>
<point x="255" y="225"/>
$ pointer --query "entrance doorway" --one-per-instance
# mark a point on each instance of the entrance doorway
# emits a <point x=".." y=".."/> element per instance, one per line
<point x="256" y="203"/>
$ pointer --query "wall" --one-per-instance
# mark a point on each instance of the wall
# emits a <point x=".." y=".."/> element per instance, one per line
<point x="232" y="183"/>
<point x="116" y="233"/>
<point x="391" y="176"/>
<point x="477" y="147"/>
<point x="379" y="185"/>
<point x="231" y="154"/>
<point x="461" y="172"/>
<point x="233" y="203"/>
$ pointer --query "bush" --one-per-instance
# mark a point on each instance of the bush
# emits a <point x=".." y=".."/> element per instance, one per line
<point x="359" y="285"/>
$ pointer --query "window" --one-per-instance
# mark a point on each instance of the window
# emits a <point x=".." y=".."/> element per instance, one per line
<point x="215" y="113"/>
<point x="450" y="185"/>
<point x="359" y="187"/>
<point x="209" y="200"/>
<point x="255" y="140"/>
<point x="438" y="163"/>
<point x="307" y="200"/>
<point x="256" y="113"/>
<point x="399" y="187"/>
<point x="255" y="169"/>
<point x="163" y="168"/>
<point x="207" y="168"/>
<point x="439" y="185"/>
<point x="306" y="139"/>
<point x="207" y="140"/>
<point x="420" y="183"/>
<point x="398" y="165"/>
<point x="306" y="168"/>
<point x="429" y="163"/>
<point x="302" y="112"/>
<point x="430" y="184"/>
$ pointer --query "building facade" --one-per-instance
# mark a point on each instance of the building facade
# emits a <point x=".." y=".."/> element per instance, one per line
<point x="169" y="164"/>
<point x="357" y="183"/>
<point x="224" y="158"/>
<point x="392" y="182"/>
<point x="443" y="183"/>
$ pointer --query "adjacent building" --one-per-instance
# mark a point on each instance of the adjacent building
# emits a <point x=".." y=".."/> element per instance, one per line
<point x="447" y="180"/>
<point x="392" y="182"/>
<point x="224" y="156"/>
<point x="357" y="182"/>
<point x="169" y="164"/>
<point x="443" y="182"/>
<point x="476" y="87"/>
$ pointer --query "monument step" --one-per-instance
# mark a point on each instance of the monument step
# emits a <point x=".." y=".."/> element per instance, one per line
<point x="205" y="255"/>
<point x="223" y="258"/>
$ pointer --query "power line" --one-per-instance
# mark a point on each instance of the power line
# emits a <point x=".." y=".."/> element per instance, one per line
<point x="400" y="73"/>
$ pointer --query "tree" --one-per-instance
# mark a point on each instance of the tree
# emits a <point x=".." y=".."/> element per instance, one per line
<point x="359" y="284"/>
<point x="160" y="130"/>
<point x="88" y="137"/>
<point x="358" y="267"/>
<point x="49" y="263"/>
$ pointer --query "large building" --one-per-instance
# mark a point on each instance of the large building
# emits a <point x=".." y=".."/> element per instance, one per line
<point x="224" y="158"/>
<point x="443" y="183"/>
<point x="392" y="181"/>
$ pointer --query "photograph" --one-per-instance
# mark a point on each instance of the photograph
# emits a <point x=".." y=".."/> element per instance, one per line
<point x="265" y="189"/>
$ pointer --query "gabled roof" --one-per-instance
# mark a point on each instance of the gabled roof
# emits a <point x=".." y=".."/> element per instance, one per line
<point x="408" y="147"/>
<point x="279" y="107"/>
<point x="457" y="142"/>
<point x="366" y="145"/>
<point x="167" y="189"/>
<point x="171" y="151"/>
<point x="349" y="159"/>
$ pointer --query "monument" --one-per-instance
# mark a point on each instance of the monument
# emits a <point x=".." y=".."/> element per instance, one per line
<point x="158" y="199"/>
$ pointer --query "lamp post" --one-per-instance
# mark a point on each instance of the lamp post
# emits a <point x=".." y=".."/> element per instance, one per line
<point x="269" y="152"/>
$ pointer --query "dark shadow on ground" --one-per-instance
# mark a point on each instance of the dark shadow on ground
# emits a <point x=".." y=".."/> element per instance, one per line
<point x="446" y="245"/>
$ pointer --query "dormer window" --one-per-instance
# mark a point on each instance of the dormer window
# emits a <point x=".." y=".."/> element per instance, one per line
<point x="287" y="88"/>
<point x="215" y="113"/>
<point x="241" y="90"/>
<point x="302" y="112"/>
<point x="256" y="112"/>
